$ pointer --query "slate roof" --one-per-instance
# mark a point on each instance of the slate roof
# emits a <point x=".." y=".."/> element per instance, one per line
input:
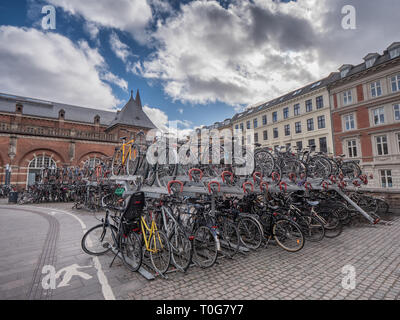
<point x="48" y="109"/>
<point x="133" y="115"/>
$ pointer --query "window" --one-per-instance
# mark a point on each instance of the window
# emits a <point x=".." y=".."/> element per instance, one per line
<point x="299" y="145"/>
<point x="382" y="146"/>
<point x="296" y="109"/>
<point x="349" y="122"/>
<point x="352" y="148"/>
<point x="237" y="127"/>
<point x="264" y="120"/>
<point x="276" y="134"/>
<point x="386" y="178"/>
<point x="311" y="143"/>
<point x="275" y="116"/>
<point x="42" y="162"/>
<point x="241" y="126"/>
<point x="396" y="83"/>
<point x="370" y="62"/>
<point x="376" y="90"/>
<point x="310" y="124"/>
<point x="287" y="130"/>
<point x="242" y="140"/>
<point x="297" y="126"/>
<point x="321" y="122"/>
<point x="379" y="116"/>
<point x="285" y="113"/>
<point x="248" y="124"/>
<point x="256" y="137"/>
<point x="344" y="73"/>
<point x="394" y="53"/>
<point x="396" y="109"/>
<point x="347" y="98"/>
<point x="398" y="140"/>
<point x="323" y="146"/>
<point x="265" y="134"/>
<point x="255" y="122"/>
<point x="320" y="102"/>
<point x="308" y="105"/>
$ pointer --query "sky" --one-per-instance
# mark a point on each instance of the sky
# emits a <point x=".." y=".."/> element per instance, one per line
<point x="194" y="62"/>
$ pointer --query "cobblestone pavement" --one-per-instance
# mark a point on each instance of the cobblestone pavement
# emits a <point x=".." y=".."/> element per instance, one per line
<point x="269" y="273"/>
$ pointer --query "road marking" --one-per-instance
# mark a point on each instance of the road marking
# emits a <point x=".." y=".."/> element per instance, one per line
<point x="105" y="287"/>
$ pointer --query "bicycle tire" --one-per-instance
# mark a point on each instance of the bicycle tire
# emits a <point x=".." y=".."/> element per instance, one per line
<point x="132" y="161"/>
<point x="250" y="233"/>
<point x="127" y="257"/>
<point x="181" y="250"/>
<point x="280" y="231"/>
<point x="107" y="245"/>
<point x="229" y="238"/>
<point x="160" y="251"/>
<point x="205" y="246"/>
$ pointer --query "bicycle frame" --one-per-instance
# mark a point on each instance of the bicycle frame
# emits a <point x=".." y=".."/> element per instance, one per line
<point x="150" y="231"/>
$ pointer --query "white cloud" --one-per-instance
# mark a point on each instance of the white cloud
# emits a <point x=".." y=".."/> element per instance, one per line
<point x="132" y="16"/>
<point x="112" y="78"/>
<point x="49" y="66"/>
<point x="160" y="119"/>
<point x="93" y="30"/>
<point x="120" y="49"/>
<point x="246" y="52"/>
<point x="180" y="111"/>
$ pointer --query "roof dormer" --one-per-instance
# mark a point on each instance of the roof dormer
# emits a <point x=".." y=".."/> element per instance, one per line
<point x="97" y="119"/>
<point x="345" y="69"/>
<point x="370" y="59"/>
<point x="394" y="50"/>
<point x="19" y="108"/>
<point x="61" y="114"/>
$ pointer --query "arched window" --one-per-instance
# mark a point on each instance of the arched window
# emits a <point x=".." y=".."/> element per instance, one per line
<point x="92" y="162"/>
<point x="36" y="167"/>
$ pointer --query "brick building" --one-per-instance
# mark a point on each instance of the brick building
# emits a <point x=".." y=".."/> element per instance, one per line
<point x="35" y="134"/>
<point x="365" y="102"/>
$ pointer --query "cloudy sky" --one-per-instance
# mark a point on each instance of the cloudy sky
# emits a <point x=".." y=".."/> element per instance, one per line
<point x="195" y="62"/>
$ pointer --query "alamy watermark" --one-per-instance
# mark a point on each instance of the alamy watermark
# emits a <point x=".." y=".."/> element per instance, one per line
<point x="349" y="279"/>
<point x="349" y="21"/>
<point x="49" y="20"/>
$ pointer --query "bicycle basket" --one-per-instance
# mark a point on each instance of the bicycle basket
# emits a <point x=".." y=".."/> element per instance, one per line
<point x="119" y="192"/>
<point x="135" y="206"/>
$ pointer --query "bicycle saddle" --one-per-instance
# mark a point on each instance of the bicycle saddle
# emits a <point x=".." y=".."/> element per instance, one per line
<point x="313" y="203"/>
<point x="123" y="138"/>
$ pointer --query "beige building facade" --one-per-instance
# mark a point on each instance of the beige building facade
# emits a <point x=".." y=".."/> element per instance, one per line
<point x="300" y="119"/>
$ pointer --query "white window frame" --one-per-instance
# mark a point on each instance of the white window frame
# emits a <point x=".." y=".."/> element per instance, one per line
<point x="394" y="53"/>
<point x="376" y="89"/>
<point x="351" y="121"/>
<point x="380" y="112"/>
<point x="386" y="176"/>
<point x="396" y="106"/>
<point x="395" y="80"/>
<point x="352" y="144"/>
<point x="382" y="144"/>
<point x="347" y="97"/>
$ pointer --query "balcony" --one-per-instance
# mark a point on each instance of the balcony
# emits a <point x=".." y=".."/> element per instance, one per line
<point x="56" y="132"/>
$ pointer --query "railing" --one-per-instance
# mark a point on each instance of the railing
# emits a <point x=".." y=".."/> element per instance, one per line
<point x="56" y="132"/>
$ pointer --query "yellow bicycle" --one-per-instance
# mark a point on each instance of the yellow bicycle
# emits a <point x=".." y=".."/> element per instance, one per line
<point x="156" y="244"/>
<point x="126" y="158"/>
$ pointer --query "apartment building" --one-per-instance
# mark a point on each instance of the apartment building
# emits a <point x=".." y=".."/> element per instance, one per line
<point x="300" y="118"/>
<point x="365" y="103"/>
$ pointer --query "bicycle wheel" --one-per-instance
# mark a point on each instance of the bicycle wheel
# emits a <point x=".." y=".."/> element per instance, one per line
<point x="230" y="238"/>
<point x="382" y="206"/>
<point x="264" y="162"/>
<point x="98" y="240"/>
<point x="288" y="235"/>
<point x="181" y="249"/>
<point x="132" y="162"/>
<point x="293" y="166"/>
<point x="205" y="248"/>
<point x="131" y="251"/>
<point x="160" y="252"/>
<point x="250" y="233"/>
<point x="312" y="228"/>
<point x="116" y="164"/>
<point x="350" y="169"/>
<point x="319" y="167"/>
<point x="332" y="224"/>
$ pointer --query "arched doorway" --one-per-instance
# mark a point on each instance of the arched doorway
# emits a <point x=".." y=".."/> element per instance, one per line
<point x="36" y="166"/>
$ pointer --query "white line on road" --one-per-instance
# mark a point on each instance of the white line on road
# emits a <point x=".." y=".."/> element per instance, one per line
<point x="105" y="287"/>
